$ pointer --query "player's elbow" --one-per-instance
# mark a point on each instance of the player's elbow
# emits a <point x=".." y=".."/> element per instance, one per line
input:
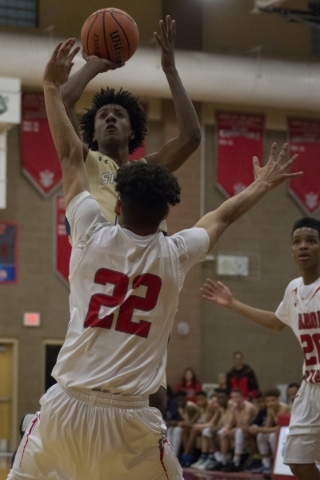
<point x="193" y="139"/>
<point x="277" y="325"/>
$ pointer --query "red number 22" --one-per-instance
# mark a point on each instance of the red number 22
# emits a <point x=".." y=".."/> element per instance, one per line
<point x="121" y="283"/>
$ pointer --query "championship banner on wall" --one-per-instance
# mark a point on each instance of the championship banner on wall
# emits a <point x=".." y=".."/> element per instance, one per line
<point x="62" y="248"/>
<point x="240" y="138"/>
<point x="304" y="139"/>
<point x="40" y="162"/>
<point x="8" y="253"/>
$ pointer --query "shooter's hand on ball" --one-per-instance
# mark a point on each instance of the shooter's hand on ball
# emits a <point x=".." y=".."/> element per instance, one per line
<point x="100" y="64"/>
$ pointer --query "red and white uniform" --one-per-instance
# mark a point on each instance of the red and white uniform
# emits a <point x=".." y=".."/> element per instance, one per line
<point x="300" y="309"/>
<point x="124" y="290"/>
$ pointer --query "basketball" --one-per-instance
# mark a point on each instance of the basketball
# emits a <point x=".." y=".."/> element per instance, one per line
<point x="110" y="33"/>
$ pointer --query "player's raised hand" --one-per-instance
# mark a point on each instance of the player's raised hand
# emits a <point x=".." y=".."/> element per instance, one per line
<point x="101" y="64"/>
<point x="60" y="64"/>
<point x="217" y="293"/>
<point x="277" y="169"/>
<point x="166" y="41"/>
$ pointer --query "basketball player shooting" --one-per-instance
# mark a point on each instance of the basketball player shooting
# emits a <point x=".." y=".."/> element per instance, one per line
<point x="124" y="287"/>
<point x="300" y="309"/>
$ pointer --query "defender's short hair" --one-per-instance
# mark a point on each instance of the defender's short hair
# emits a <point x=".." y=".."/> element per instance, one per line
<point x="307" y="222"/>
<point x="146" y="190"/>
<point x="138" y="117"/>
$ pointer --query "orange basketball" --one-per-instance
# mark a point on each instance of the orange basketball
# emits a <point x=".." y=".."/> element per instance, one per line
<point x="110" y="33"/>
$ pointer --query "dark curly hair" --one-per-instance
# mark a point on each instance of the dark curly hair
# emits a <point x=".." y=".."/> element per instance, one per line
<point x="146" y="190"/>
<point x="308" y="222"/>
<point x="138" y="117"/>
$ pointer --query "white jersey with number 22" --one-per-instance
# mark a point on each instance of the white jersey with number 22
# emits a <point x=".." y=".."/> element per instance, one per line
<point x="124" y="291"/>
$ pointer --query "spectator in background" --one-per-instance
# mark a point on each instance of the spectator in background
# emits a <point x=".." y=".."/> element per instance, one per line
<point x="251" y="437"/>
<point x="207" y="409"/>
<point x="292" y="391"/>
<point x="240" y="415"/>
<point x="267" y="434"/>
<point x="189" y="384"/>
<point x="210" y="455"/>
<point x="242" y="377"/>
<point x="178" y="429"/>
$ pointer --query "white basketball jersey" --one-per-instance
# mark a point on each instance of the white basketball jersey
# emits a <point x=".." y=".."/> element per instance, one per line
<point x="124" y="292"/>
<point x="300" y="309"/>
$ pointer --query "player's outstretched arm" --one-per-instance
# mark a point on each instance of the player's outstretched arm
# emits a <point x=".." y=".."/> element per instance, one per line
<point x="177" y="150"/>
<point x="67" y="143"/>
<point x="72" y="90"/>
<point x="268" y="177"/>
<point x="218" y="293"/>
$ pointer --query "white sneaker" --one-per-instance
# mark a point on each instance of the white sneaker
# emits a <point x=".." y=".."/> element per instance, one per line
<point x="199" y="463"/>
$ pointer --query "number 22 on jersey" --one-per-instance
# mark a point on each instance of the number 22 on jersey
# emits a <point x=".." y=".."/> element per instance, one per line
<point x="121" y="283"/>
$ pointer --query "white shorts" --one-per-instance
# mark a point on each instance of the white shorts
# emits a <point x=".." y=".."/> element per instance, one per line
<point x="303" y="440"/>
<point x="94" y="435"/>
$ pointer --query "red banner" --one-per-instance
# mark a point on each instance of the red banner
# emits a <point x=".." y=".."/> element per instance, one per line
<point x="8" y="253"/>
<point x="139" y="153"/>
<point x="40" y="162"/>
<point x="304" y="139"/>
<point x="62" y="246"/>
<point x="240" y="137"/>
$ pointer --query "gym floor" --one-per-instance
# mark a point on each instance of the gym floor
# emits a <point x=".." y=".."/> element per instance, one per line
<point x="188" y="473"/>
<point x="192" y="474"/>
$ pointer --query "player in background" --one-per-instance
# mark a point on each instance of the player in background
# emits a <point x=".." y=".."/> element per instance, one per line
<point x="300" y="309"/>
<point x="115" y="126"/>
<point x="96" y="419"/>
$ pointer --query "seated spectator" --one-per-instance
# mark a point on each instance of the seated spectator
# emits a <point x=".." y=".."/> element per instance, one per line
<point x="267" y="434"/>
<point x="292" y="390"/>
<point x="188" y="414"/>
<point x="207" y="409"/>
<point x="240" y="416"/>
<point x="210" y="454"/>
<point x="189" y="384"/>
<point x="242" y="377"/>
<point x="251" y="438"/>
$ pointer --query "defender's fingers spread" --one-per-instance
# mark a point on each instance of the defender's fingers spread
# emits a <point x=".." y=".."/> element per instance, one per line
<point x="293" y="159"/>
<point x="284" y="148"/>
<point x="273" y="151"/>
<point x="255" y="163"/>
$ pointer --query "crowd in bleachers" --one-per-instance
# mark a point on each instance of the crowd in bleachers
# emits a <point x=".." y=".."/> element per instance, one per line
<point x="229" y="428"/>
